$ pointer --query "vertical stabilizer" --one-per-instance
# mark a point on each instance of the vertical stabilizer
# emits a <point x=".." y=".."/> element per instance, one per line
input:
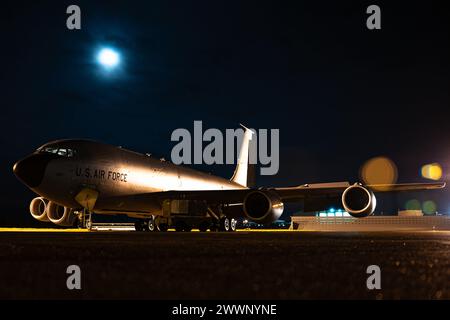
<point x="241" y="171"/>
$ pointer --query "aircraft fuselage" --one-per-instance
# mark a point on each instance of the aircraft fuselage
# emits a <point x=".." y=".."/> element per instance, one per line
<point x="58" y="171"/>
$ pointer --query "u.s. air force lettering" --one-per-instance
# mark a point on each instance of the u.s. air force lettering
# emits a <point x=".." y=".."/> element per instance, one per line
<point x="100" y="174"/>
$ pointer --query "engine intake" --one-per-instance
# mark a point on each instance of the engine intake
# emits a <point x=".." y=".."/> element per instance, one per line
<point x="359" y="201"/>
<point x="60" y="215"/>
<point x="38" y="209"/>
<point x="263" y="206"/>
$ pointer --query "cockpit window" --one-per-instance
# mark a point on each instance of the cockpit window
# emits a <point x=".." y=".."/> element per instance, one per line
<point x="64" y="152"/>
<point x="50" y="150"/>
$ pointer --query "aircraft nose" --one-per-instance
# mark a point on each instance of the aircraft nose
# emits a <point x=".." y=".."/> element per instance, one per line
<point x="31" y="169"/>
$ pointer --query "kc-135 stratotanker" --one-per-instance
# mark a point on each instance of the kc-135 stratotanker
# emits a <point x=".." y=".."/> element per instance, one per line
<point x="73" y="177"/>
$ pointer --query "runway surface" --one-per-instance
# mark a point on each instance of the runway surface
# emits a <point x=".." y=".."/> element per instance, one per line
<point x="248" y="265"/>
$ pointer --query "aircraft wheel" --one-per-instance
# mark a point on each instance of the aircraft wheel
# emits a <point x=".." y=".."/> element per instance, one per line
<point x="233" y="224"/>
<point x="225" y="224"/>
<point x="151" y="226"/>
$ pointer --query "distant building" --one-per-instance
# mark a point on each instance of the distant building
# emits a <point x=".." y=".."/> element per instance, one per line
<point x="339" y="220"/>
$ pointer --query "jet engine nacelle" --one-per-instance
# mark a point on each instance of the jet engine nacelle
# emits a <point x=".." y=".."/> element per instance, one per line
<point x="358" y="201"/>
<point x="38" y="209"/>
<point x="263" y="206"/>
<point x="60" y="215"/>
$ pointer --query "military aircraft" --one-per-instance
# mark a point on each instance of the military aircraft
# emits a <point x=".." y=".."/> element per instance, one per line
<point x="74" y="177"/>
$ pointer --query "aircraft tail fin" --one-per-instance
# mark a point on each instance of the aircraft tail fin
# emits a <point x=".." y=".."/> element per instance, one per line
<point x="241" y="171"/>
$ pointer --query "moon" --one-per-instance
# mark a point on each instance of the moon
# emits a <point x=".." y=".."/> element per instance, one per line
<point x="108" y="58"/>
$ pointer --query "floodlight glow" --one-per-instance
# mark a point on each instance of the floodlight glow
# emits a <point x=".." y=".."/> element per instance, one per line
<point x="432" y="171"/>
<point x="108" y="58"/>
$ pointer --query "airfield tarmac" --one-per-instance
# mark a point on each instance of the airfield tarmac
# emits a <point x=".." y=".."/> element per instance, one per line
<point x="240" y="265"/>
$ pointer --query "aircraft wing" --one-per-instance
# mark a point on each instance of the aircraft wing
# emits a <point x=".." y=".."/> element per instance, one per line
<point x="146" y="202"/>
<point x="333" y="188"/>
<point x="405" y="187"/>
<point x="316" y="197"/>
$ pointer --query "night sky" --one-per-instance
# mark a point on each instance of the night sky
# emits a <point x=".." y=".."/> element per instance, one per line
<point x="339" y="93"/>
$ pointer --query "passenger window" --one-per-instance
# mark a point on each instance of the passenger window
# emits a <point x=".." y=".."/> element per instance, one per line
<point x="62" y="152"/>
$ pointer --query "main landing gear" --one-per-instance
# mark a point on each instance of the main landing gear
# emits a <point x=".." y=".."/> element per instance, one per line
<point x="155" y="224"/>
<point x="152" y="225"/>
<point x="227" y="224"/>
